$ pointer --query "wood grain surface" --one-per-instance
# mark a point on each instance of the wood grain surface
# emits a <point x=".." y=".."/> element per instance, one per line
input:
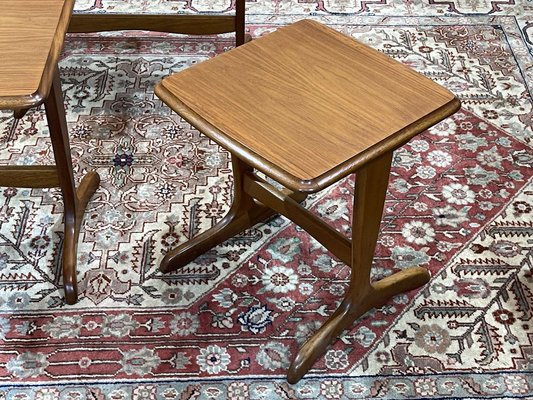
<point x="173" y="23"/>
<point x="306" y="104"/>
<point x="31" y="37"/>
<point x="195" y="24"/>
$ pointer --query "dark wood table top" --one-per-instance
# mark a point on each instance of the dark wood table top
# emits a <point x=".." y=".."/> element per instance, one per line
<point x="306" y="104"/>
<point x="31" y="38"/>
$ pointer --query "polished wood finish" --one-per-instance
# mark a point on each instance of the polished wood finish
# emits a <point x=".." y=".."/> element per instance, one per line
<point x="323" y="107"/>
<point x="240" y="23"/>
<point x="74" y="201"/>
<point x="284" y="204"/>
<point x="186" y="24"/>
<point x="197" y="24"/>
<point x="20" y="113"/>
<point x="328" y="72"/>
<point x="29" y="176"/>
<point x="31" y="38"/>
<point x="362" y="295"/>
<point x="244" y="213"/>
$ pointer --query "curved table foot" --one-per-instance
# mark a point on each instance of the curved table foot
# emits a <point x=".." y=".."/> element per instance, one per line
<point x="244" y="213"/>
<point x="86" y="189"/>
<point x="233" y="223"/>
<point x="236" y="220"/>
<point x="353" y="306"/>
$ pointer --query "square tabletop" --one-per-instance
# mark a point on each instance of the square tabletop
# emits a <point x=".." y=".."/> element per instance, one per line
<point x="306" y="104"/>
<point x="31" y="38"/>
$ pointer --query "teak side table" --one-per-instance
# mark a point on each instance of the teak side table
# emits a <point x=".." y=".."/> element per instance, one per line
<point x="31" y="39"/>
<point x="307" y="106"/>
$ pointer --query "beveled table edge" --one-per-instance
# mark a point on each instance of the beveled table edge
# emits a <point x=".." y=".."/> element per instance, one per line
<point x="290" y="181"/>
<point x="37" y="98"/>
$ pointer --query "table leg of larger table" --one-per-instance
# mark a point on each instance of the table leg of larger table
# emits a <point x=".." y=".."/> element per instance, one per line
<point x="74" y="202"/>
<point x="362" y="295"/>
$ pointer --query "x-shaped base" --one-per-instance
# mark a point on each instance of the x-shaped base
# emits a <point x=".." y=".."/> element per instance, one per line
<point x="255" y="200"/>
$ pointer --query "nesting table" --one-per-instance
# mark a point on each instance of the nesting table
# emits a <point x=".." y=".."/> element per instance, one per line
<point x="306" y="106"/>
<point x="31" y="39"/>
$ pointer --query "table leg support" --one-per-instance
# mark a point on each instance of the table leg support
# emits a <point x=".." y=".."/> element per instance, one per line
<point x="74" y="201"/>
<point x="362" y="295"/>
<point x="243" y="214"/>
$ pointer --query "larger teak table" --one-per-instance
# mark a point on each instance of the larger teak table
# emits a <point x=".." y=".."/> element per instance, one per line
<point x="31" y="39"/>
<point x="307" y="106"/>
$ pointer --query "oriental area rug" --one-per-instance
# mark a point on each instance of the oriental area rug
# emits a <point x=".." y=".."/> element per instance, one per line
<point x="460" y="203"/>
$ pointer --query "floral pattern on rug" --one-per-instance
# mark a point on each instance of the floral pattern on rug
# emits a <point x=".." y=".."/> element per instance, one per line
<point x="519" y="10"/>
<point x="228" y="325"/>
<point x="393" y="7"/>
<point x="475" y="314"/>
<point x="141" y="193"/>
